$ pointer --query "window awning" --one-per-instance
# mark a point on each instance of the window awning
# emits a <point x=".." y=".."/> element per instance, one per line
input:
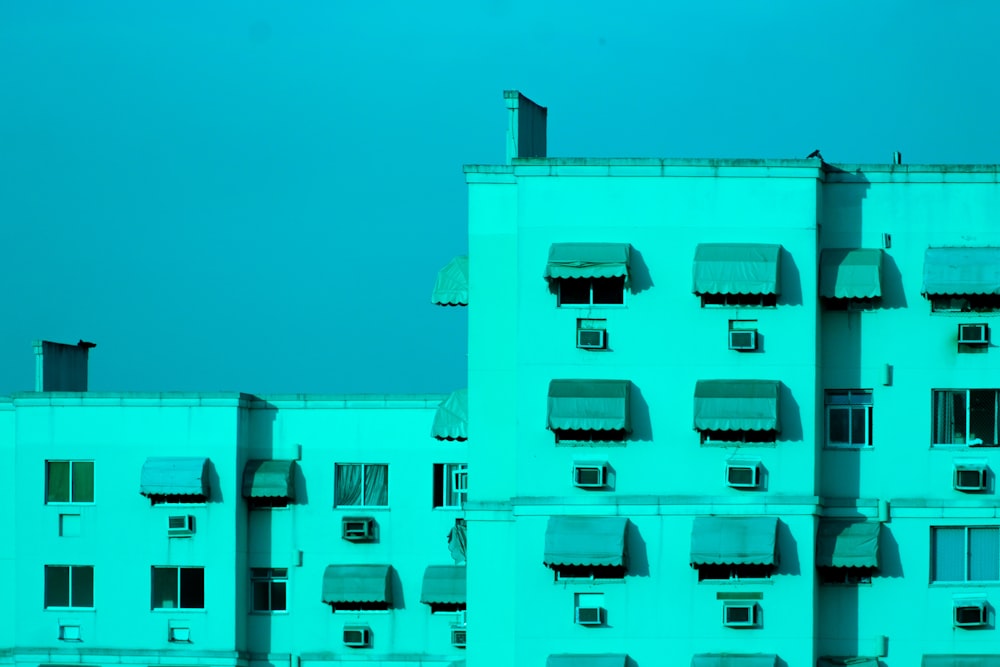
<point x="737" y="268"/>
<point x="589" y="260"/>
<point x="959" y="660"/>
<point x="585" y="540"/>
<point x="961" y="271"/>
<point x="718" y="540"/>
<point x="842" y="661"/>
<point x="443" y="584"/>
<point x="847" y="543"/>
<point x="452" y="285"/>
<point x="587" y="660"/>
<point x="589" y="405"/>
<point x="846" y="273"/>
<point x="451" y="421"/>
<point x="357" y="583"/>
<point x="269" y="479"/>
<point x="174" y="476"/>
<point x="734" y="660"/>
<point x="736" y="405"/>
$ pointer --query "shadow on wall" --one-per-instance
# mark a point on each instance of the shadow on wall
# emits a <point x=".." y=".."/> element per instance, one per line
<point x="398" y="600"/>
<point x="642" y="428"/>
<point x="890" y="565"/>
<point x="301" y="492"/>
<point x="791" y="415"/>
<point x="215" y="494"/>
<point x="791" y="281"/>
<point x="638" y="559"/>
<point x="639" y="272"/>
<point x="893" y="294"/>
<point x="788" y="551"/>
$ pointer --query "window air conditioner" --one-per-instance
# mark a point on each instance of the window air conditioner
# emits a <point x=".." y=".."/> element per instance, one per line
<point x="458" y="636"/>
<point x="589" y="475"/>
<point x="180" y="525"/>
<point x="357" y="636"/>
<point x="973" y="334"/>
<point x="590" y="339"/>
<point x="69" y="633"/>
<point x="358" y="529"/>
<point x="969" y="478"/>
<point x="589" y="615"/>
<point x="743" y="339"/>
<point x="739" y="614"/>
<point x="743" y="475"/>
<point x="970" y="614"/>
<point x="180" y="635"/>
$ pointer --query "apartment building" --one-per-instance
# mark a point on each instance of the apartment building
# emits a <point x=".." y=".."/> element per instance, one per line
<point x="231" y="529"/>
<point x="731" y="412"/>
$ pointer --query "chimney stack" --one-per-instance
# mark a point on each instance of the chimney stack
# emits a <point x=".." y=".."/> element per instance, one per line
<point x="61" y="367"/>
<point x="897" y="157"/>
<point x="526" y="126"/>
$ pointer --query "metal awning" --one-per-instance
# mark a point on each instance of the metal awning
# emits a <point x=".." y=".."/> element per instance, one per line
<point x="961" y="660"/>
<point x="586" y="540"/>
<point x="726" y="540"/>
<point x="736" y="405"/>
<point x="443" y="584"/>
<point x="845" y="661"/>
<point x="734" y="660"/>
<point x="452" y="285"/>
<point x="589" y="260"/>
<point x="587" y="660"/>
<point x="269" y="479"/>
<point x="961" y="271"/>
<point x="847" y="543"/>
<point x="357" y="583"/>
<point x="451" y="421"/>
<point x="846" y="273"/>
<point x="174" y="476"/>
<point x="737" y="268"/>
<point x="589" y="405"/>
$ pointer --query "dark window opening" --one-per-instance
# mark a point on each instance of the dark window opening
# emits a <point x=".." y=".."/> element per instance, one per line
<point x="359" y="606"/>
<point x="589" y="571"/>
<point x="591" y="291"/>
<point x="446" y="607"/>
<point x="590" y="436"/>
<point x="845" y="576"/>
<point x="740" y="437"/>
<point x="852" y="304"/>
<point x="967" y="303"/>
<point x="267" y="503"/>
<point x="157" y="499"/>
<point x="763" y="300"/>
<point x="729" y="571"/>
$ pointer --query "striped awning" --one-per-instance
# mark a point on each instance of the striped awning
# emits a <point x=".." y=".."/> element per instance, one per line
<point x="718" y="540"/>
<point x="586" y="540"/>
<point x="452" y="285"/>
<point x="737" y="405"/>
<point x="850" y="273"/>
<point x="587" y="660"/>
<point x="589" y="405"/>
<point x="443" y="584"/>
<point x="737" y="268"/>
<point x="734" y="660"/>
<point x="588" y="260"/>
<point x="847" y="543"/>
<point x="961" y="271"/>
<point x="357" y="583"/>
<point x="269" y="479"/>
<point x="451" y="421"/>
<point x="174" y="476"/>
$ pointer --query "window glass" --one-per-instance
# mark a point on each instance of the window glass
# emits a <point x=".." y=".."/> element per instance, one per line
<point x="192" y="588"/>
<point x="83" y="481"/>
<point x="574" y="291"/>
<point x="983" y="416"/>
<point x="261" y="601"/>
<point x="984" y="554"/>
<point x="849" y="417"/>
<point x="278" y="595"/>
<point x="376" y="485"/>
<point x="610" y="291"/>
<point x="57" y="486"/>
<point x="165" y="588"/>
<point x="838" y="426"/>
<point x="82" y="586"/>
<point x="966" y="417"/>
<point x="56" y="586"/>
<point x="348" y="484"/>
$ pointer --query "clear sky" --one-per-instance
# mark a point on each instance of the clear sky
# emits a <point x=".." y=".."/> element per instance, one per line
<point x="257" y="196"/>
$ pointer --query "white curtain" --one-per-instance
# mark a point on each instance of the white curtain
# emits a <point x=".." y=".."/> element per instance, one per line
<point x="376" y="485"/>
<point x="347" y="484"/>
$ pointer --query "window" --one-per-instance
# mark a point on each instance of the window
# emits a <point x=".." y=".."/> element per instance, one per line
<point x="563" y="572"/>
<point x="69" y="481"/>
<point x="739" y="300"/>
<point x="725" y="572"/>
<point x="178" y="588"/>
<point x="967" y="303"/>
<point x="849" y="418"/>
<point x="268" y="589"/>
<point x="69" y="586"/>
<point x="965" y="416"/>
<point x="739" y="437"/>
<point x="592" y="291"/>
<point x="596" y="435"/>
<point x="361" y="485"/>
<point x="451" y="484"/>
<point x="845" y="576"/>
<point x="965" y="553"/>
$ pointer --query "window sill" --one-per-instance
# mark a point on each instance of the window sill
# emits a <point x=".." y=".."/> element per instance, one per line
<point x="587" y="581"/>
<point x="63" y="610"/>
<point x="591" y="443"/>
<point x="60" y="504"/>
<point x="177" y="610"/>
<point x="963" y="584"/>
<point x="849" y="448"/>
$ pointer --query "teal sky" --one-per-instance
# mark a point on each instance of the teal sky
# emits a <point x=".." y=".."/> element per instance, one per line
<point x="257" y="196"/>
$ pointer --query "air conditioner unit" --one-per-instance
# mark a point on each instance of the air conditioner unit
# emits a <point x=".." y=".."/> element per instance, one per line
<point x="743" y="474"/>
<point x="180" y="525"/>
<point x="458" y="636"/>
<point x="358" y="529"/>
<point x="743" y="339"/>
<point x="970" y="614"/>
<point x="357" y="636"/>
<point x="739" y="614"/>
<point x="589" y="615"/>
<point x="973" y="334"/>
<point x="969" y="478"/>
<point x="69" y="633"/>
<point x="589" y="475"/>
<point x="182" y="635"/>
<point x="590" y="339"/>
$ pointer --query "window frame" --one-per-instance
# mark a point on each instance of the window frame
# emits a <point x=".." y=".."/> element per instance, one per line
<point x="69" y="588"/>
<point x="850" y="406"/>
<point x="729" y="300"/>
<point x="445" y="480"/>
<point x="590" y="289"/>
<point x="967" y="417"/>
<point x="745" y="439"/>
<point x="967" y="303"/>
<point x="70" y="478"/>
<point x="364" y="468"/>
<point x="589" y="573"/>
<point x="846" y="576"/>
<point x="966" y="546"/>
<point x="272" y="577"/>
<point x="180" y="588"/>
<point x="756" y="573"/>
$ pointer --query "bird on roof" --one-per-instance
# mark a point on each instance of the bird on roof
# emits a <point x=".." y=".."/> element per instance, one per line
<point x="815" y="153"/>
